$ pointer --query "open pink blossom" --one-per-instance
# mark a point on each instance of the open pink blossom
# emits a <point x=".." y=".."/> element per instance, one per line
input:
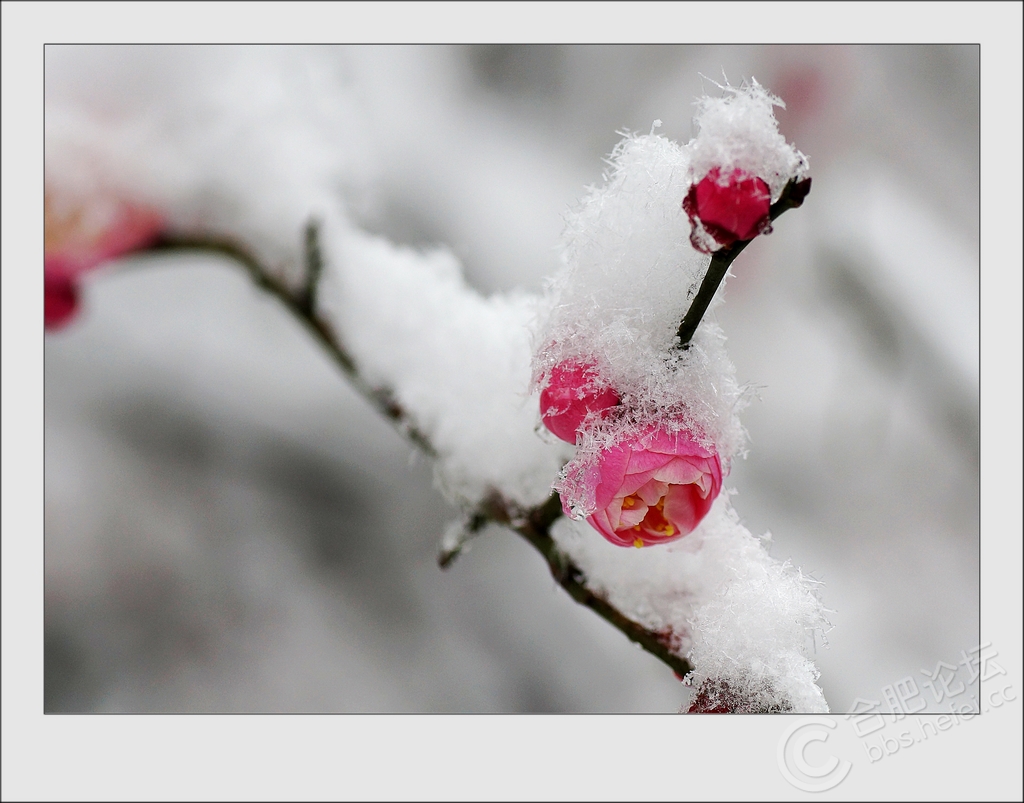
<point x="573" y="392"/>
<point x="729" y="208"/>
<point x="79" y="239"/>
<point x="653" y="488"/>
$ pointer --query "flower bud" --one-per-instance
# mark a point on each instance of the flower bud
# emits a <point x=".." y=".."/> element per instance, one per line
<point x="727" y="208"/>
<point x="717" y="696"/>
<point x="572" y="393"/>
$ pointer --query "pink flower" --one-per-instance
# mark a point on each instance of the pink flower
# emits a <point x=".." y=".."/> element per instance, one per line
<point x="728" y="208"/>
<point x="80" y="239"/>
<point x="653" y="488"/>
<point x="573" y="392"/>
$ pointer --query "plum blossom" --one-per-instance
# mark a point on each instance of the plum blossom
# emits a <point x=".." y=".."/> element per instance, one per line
<point x="652" y="488"/>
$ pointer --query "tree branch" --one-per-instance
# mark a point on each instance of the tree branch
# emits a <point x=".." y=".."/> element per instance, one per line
<point x="533" y="524"/>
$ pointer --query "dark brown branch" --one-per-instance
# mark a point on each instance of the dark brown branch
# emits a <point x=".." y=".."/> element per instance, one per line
<point x="793" y="195"/>
<point x="533" y="524"/>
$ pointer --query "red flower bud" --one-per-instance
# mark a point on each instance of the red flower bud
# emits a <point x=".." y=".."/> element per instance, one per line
<point x="573" y="392"/>
<point x="728" y="208"/>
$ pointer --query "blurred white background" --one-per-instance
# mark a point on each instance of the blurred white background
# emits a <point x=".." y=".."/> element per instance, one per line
<point x="228" y="527"/>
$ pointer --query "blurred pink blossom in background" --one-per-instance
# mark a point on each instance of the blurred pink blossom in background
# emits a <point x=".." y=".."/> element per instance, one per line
<point x="81" y="237"/>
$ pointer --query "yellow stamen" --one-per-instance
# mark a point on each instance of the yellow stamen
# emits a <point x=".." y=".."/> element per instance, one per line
<point x="655" y="522"/>
<point x="638" y="542"/>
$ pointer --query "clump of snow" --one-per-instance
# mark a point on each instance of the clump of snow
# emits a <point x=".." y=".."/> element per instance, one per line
<point x="721" y="600"/>
<point x="756" y="627"/>
<point x="739" y="131"/>
<point x="458" y="361"/>
<point x="630" y="273"/>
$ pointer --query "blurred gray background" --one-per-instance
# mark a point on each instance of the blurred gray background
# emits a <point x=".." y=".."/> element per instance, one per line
<point x="228" y="527"/>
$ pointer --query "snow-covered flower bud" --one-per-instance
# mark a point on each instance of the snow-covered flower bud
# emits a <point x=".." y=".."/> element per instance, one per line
<point x="573" y="393"/>
<point x="726" y="207"/>
<point x="81" y="237"/>
<point x="653" y="488"/>
<point x="717" y="696"/>
<point x="713" y="697"/>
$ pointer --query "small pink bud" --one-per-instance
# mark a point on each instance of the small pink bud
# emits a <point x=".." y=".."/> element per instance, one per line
<point x="729" y="208"/>
<point x="573" y="392"/>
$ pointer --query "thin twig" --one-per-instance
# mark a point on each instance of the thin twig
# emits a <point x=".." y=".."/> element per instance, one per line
<point x="466" y="529"/>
